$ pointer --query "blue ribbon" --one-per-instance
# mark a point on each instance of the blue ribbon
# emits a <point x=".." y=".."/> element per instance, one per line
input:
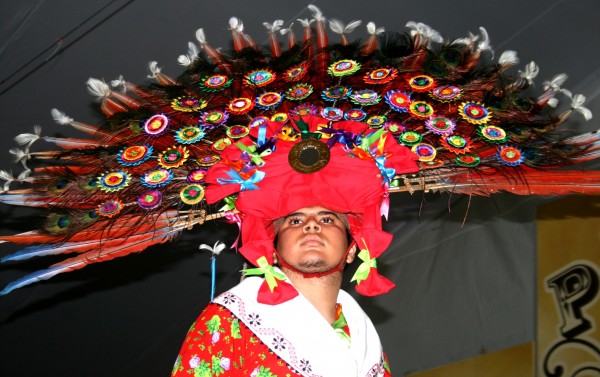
<point x="342" y="137"/>
<point x="248" y="184"/>
<point x="387" y="173"/>
<point x="262" y="135"/>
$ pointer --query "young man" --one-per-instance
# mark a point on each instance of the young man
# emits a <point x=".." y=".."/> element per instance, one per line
<point x="321" y="331"/>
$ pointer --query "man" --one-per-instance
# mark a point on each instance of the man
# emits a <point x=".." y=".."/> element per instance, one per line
<point x="321" y="331"/>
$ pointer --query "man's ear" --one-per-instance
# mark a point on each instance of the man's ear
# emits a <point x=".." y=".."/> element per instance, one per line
<point x="274" y="258"/>
<point x="352" y="253"/>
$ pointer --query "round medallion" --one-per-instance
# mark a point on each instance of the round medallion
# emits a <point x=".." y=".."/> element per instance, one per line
<point x="394" y="127"/>
<point x="421" y="83"/>
<point x="280" y="118"/>
<point x="258" y="121"/>
<point x="309" y="156"/>
<point x="156" y="125"/>
<point x="398" y="101"/>
<point x="355" y="114"/>
<point x="114" y="180"/>
<point x="208" y="160"/>
<point x="492" y="134"/>
<point x="269" y="100"/>
<point x="134" y="155"/>
<point x="214" y="118"/>
<point x="380" y="76"/>
<point x="474" y="112"/>
<point x="192" y="194"/>
<point x="221" y="144"/>
<point x="196" y="176"/>
<point x="299" y="92"/>
<point x="173" y="157"/>
<point x="510" y="156"/>
<point x="149" y="199"/>
<point x="456" y="143"/>
<point x="440" y="125"/>
<point x="410" y="138"/>
<point x="304" y="109"/>
<point x="343" y="68"/>
<point x="239" y="106"/>
<point x="295" y="73"/>
<point x="426" y="152"/>
<point x="188" y="104"/>
<point x="157" y="178"/>
<point x="190" y="135"/>
<point x="376" y="121"/>
<point x="335" y="93"/>
<point x="215" y="83"/>
<point x="467" y="160"/>
<point x="260" y="77"/>
<point x="332" y="113"/>
<point x="420" y="109"/>
<point x="446" y="93"/>
<point x="110" y="208"/>
<point x="365" y="97"/>
<point x="237" y="131"/>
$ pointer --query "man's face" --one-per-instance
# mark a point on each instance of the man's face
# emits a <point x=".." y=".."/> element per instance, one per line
<point x="313" y="240"/>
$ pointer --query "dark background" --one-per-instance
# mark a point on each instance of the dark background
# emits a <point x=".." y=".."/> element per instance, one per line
<point x="461" y="290"/>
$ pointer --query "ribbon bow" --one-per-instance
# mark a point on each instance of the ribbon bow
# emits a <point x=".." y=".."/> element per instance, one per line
<point x="362" y="272"/>
<point x="367" y="141"/>
<point x="341" y="136"/>
<point x="248" y="184"/>
<point x="253" y="154"/>
<point x="229" y="204"/>
<point x="387" y="173"/>
<point x="264" y="268"/>
<point x="305" y="131"/>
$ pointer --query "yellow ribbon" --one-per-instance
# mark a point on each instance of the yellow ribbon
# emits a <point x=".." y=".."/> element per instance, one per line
<point x="362" y="272"/>
<point x="264" y="268"/>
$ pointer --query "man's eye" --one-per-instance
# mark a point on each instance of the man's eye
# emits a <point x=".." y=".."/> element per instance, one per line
<point x="294" y="221"/>
<point x="328" y="220"/>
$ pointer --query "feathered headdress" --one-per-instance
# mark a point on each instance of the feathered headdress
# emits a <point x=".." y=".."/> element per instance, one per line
<point x="251" y="136"/>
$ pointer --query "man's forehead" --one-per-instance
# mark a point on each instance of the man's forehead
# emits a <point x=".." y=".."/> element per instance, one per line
<point x="316" y="210"/>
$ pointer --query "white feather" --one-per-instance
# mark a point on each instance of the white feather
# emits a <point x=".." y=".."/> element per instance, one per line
<point x="555" y="83"/>
<point x="23" y="175"/>
<point x="200" y="36"/>
<point x="336" y="26"/>
<point x="8" y="177"/>
<point x="352" y="26"/>
<point x="577" y="102"/>
<point x="275" y="26"/>
<point x="287" y="30"/>
<point x="531" y="72"/>
<point x="184" y="60"/>
<point x="508" y="57"/>
<point x="553" y="102"/>
<point x="119" y="83"/>
<point x="60" y="117"/>
<point x="374" y="30"/>
<point x="97" y="87"/>
<point x="316" y="12"/>
<point x="234" y="23"/>
<point x="215" y="250"/>
<point x="154" y="69"/>
<point x="305" y="22"/>
<point x="27" y="138"/>
<point x="484" y="40"/>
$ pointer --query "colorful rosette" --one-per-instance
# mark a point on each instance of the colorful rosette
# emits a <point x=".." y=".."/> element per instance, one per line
<point x="376" y="121"/>
<point x="156" y="125"/>
<point x="237" y="131"/>
<point x="258" y="121"/>
<point x="280" y="118"/>
<point x="365" y="97"/>
<point x="467" y="160"/>
<point x="260" y="77"/>
<point x="214" y="118"/>
<point x="332" y="113"/>
<point x="189" y="135"/>
<point x="420" y="109"/>
<point x="188" y="104"/>
<point x="510" y="156"/>
<point x="304" y="110"/>
<point x="421" y="83"/>
<point x="447" y="93"/>
<point x="110" y="208"/>
<point x="397" y="100"/>
<point x="474" y="112"/>
<point x="299" y="92"/>
<point x="295" y="73"/>
<point x="173" y="157"/>
<point x="335" y="93"/>
<point x="215" y="83"/>
<point x="134" y="155"/>
<point x="114" y="180"/>
<point x="425" y="152"/>
<point x="149" y="199"/>
<point x="196" y="176"/>
<point x="192" y="194"/>
<point x="410" y="138"/>
<point x="492" y="134"/>
<point x="240" y="106"/>
<point x="440" y="125"/>
<point x="380" y="76"/>
<point x="221" y="144"/>
<point x="269" y="100"/>
<point x="157" y="178"/>
<point x="208" y="160"/>
<point x="355" y="114"/>
<point x="394" y="127"/>
<point x="343" y="68"/>
<point x="456" y="143"/>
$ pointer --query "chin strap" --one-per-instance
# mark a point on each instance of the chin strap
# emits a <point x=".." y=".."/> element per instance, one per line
<point x="338" y="267"/>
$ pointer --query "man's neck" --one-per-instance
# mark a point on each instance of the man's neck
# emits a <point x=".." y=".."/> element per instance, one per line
<point x="321" y="292"/>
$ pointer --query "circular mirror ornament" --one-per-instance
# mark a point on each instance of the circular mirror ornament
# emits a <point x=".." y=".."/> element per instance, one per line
<point x="309" y="156"/>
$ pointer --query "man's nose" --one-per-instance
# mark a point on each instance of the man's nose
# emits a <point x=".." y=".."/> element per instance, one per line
<point x="312" y="226"/>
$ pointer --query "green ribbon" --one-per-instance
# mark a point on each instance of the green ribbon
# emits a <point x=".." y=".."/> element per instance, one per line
<point x="229" y="204"/>
<point x="366" y="142"/>
<point x="305" y="132"/>
<point x="338" y="326"/>
<point x="264" y="268"/>
<point x="362" y="272"/>
<point x="251" y="151"/>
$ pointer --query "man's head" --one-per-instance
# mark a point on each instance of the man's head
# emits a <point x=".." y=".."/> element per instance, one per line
<point x="313" y="241"/>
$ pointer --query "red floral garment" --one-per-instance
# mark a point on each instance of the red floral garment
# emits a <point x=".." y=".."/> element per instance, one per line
<point x="219" y="344"/>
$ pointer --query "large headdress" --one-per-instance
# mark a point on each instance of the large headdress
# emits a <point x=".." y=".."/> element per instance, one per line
<point x="340" y="126"/>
